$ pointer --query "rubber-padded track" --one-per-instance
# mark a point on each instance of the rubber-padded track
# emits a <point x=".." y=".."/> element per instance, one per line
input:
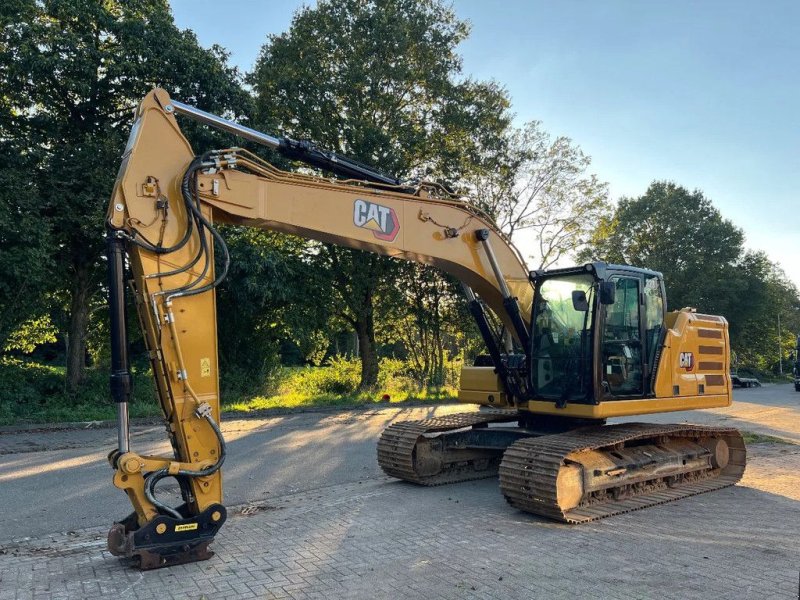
<point x="397" y="444"/>
<point x="530" y="468"/>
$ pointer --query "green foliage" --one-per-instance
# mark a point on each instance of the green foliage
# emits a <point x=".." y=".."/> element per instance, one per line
<point x="426" y="316"/>
<point x="705" y="265"/>
<point x="751" y="437"/>
<point x="380" y="82"/>
<point x="339" y="377"/>
<point x="31" y="333"/>
<point x="71" y="74"/>
<point x="681" y="234"/>
<point x="270" y="295"/>
<point x="31" y="392"/>
<point x="25" y="242"/>
<point x="766" y="296"/>
<point x="337" y="383"/>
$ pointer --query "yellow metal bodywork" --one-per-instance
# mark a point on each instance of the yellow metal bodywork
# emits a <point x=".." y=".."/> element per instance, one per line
<point x="182" y="337"/>
<point x="702" y="383"/>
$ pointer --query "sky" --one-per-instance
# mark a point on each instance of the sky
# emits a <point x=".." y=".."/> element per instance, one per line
<point x="706" y="94"/>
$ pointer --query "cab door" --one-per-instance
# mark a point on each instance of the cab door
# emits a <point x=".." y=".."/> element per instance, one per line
<point x="621" y="348"/>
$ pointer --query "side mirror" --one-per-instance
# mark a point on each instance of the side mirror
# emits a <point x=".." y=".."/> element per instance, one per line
<point x="608" y="292"/>
<point x="579" y="301"/>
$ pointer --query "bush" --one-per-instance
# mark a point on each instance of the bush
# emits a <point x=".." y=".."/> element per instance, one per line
<point x="340" y="377"/>
<point x="32" y="392"/>
<point x="238" y="382"/>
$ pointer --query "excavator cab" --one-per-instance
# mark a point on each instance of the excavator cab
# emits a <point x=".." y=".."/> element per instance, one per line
<point x="595" y="333"/>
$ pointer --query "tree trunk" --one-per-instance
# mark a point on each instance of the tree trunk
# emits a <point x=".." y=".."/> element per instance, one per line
<point x="365" y="330"/>
<point x="78" y="326"/>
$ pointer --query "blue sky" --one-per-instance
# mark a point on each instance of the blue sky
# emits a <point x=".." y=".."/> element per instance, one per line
<point x="706" y="94"/>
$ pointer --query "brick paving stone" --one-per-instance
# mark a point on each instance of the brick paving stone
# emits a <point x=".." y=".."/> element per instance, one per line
<point x="386" y="539"/>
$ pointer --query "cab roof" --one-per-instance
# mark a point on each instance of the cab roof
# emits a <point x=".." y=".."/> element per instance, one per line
<point x="598" y="268"/>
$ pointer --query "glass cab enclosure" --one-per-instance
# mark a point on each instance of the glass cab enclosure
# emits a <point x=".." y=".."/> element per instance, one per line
<point x="595" y="333"/>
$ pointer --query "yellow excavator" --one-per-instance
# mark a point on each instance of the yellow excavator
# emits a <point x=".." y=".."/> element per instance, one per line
<point x="593" y="342"/>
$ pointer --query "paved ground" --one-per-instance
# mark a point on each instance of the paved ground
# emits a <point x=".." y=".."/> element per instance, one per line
<point x="322" y="522"/>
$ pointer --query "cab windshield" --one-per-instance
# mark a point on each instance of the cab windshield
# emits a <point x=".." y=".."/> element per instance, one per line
<point x="562" y="337"/>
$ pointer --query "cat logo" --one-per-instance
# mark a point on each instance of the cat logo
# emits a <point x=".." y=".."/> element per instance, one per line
<point x="381" y="220"/>
<point x="686" y="361"/>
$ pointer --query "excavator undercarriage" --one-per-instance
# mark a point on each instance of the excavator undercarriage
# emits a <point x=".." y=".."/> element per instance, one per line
<point x="580" y="474"/>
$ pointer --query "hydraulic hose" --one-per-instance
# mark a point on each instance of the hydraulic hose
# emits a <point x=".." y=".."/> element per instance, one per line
<point x="203" y="251"/>
<point x="198" y="256"/>
<point x="153" y="478"/>
<point x="202" y="223"/>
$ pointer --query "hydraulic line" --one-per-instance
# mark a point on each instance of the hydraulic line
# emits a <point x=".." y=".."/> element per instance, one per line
<point x="160" y="249"/>
<point x="191" y="200"/>
<point x="193" y="262"/>
<point x="153" y="478"/>
<point x="202" y="223"/>
<point x="203" y="251"/>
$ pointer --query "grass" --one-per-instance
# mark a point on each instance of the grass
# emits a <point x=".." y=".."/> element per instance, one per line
<point x="301" y="400"/>
<point x="337" y="385"/>
<point x="32" y="392"/>
<point x="751" y="437"/>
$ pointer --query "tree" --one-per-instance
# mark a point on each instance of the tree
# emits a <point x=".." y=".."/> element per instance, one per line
<point x="25" y="243"/>
<point x="269" y="297"/>
<point x="71" y="74"/>
<point x="378" y="81"/>
<point x="541" y="185"/>
<point x="426" y="315"/>
<point x="765" y="296"/>
<point x="681" y="234"/>
<point x="705" y="265"/>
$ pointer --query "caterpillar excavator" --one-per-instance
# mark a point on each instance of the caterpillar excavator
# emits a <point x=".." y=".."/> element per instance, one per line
<point x="592" y="342"/>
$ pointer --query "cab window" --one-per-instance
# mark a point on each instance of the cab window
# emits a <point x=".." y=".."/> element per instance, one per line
<point x="622" y="344"/>
<point x="562" y="338"/>
<point x="654" y="316"/>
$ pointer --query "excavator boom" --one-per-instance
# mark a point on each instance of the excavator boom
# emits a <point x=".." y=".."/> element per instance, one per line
<point x="163" y="214"/>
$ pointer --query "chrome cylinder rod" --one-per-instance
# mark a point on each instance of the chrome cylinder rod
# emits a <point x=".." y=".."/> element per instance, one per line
<point x="509" y="302"/>
<point x="468" y="292"/>
<point x="483" y="236"/>
<point x="123" y="428"/>
<point x="223" y="124"/>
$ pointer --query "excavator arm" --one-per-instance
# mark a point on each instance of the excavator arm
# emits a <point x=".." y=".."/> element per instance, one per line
<point x="161" y="221"/>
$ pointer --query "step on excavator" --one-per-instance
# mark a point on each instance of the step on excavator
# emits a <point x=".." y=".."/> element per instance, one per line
<point x="590" y="343"/>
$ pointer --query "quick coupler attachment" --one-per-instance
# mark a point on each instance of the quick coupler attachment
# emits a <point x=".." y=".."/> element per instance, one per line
<point x="166" y="541"/>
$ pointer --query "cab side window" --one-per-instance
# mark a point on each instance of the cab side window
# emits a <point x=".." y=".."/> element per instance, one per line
<point x="622" y="344"/>
<point x="654" y="316"/>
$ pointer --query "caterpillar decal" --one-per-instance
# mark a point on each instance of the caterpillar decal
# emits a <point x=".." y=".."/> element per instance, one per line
<point x="381" y="220"/>
<point x="686" y="361"/>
